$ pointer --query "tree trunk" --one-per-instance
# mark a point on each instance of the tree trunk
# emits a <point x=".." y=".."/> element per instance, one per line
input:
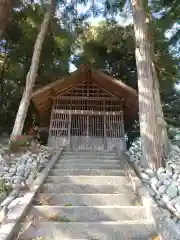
<point x="2" y="82"/>
<point x="162" y="125"/>
<point x="31" y="76"/>
<point x="151" y="149"/>
<point x="5" y="13"/>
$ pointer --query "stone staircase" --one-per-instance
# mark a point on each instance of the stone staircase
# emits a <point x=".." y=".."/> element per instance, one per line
<point x="87" y="195"/>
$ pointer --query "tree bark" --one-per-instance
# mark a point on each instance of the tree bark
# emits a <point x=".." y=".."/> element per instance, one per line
<point x="5" y="13"/>
<point x="2" y="83"/>
<point x="31" y="76"/>
<point x="162" y="125"/>
<point x="152" y="153"/>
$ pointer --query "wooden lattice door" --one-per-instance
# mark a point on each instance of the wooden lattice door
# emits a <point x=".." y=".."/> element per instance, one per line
<point x="87" y="131"/>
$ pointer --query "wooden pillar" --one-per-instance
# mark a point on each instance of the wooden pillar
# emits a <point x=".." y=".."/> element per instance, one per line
<point x="87" y="131"/>
<point x="105" y="135"/>
<point x="122" y="130"/>
<point x="69" y="130"/>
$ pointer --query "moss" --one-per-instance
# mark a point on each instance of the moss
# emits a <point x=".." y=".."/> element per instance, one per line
<point x="5" y="189"/>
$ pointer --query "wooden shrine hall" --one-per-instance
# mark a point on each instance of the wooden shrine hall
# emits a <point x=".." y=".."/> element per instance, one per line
<point x="87" y="109"/>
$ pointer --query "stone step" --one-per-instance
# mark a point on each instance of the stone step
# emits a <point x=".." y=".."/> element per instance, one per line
<point x="88" y="161"/>
<point x="93" y="199"/>
<point x="81" y="188"/>
<point x="87" y="166"/>
<point x="87" y="172"/>
<point x="89" y="213"/>
<point x="93" y="152"/>
<point x="90" y="157"/>
<point x="89" y="180"/>
<point x="122" y="230"/>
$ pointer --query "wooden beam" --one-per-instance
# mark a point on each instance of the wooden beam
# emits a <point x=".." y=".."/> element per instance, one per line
<point x="87" y="98"/>
<point x="87" y="112"/>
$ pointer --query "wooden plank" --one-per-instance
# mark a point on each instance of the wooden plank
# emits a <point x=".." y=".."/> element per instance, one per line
<point x="86" y="112"/>
<point x="87" y="98"/>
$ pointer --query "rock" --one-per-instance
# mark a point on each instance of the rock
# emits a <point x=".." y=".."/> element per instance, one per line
<point x="42" y="161"/>
<point x="46" y="157"/>
<point x="175" y="176"/>
<point x="17" y="180"/>
<point x="154" y="187"/>
<point x="19" y="174"/>
<point x="150" y="172"/>
<point x="30" y="180"/>
<point x="27" y="168"/>
<point x="175" y="200"/>
<point x="2" y="160"/>
<point x="169" y="172"/>
<point x="154" y="180"/>
<point x="162" y="189"/>
<point x="176" y="183"/>
<point x="173" y="166"/>
<point x="9" y="175"/>
<point x="12" y="170"/>
<point x="162" y="177"/>
<point x="177" y="170"/>
<point x="167" y="182"/>
<point x="175" y="219"/>
<point x="175" y="148"/>
<point x="151" y="192"/>
<point x="30" y="160"/>
<point x="34" y="164"/>
<point x="1" y="175"/>
<point x="21" y="168"/>
<point x="161" y="203"/>
<point x="23" y="184"/>
<point x="26" y="174"/>
<point x="157" y="197"/>
<point x="161" y="170"/>
<point x="172" y="191"/>
<point x="6" y="169"/>
<point x="23" y="161"/>
<point x="165" y="198"/>
<point x="177" y="206"/>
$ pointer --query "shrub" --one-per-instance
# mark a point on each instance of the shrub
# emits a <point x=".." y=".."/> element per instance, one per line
<point x="5" y="189"/>
<point x="20" y="142"/>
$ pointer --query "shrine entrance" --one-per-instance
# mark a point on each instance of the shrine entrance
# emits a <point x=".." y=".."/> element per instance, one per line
<point x="88" y="116"/>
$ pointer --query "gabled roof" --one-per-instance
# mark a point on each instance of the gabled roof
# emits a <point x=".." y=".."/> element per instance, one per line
<point x="42" y="98"/>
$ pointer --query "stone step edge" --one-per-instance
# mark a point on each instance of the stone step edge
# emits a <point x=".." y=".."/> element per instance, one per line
<point x="86" y="169"/>
<point x="96" y="206"/>
<point x="87" y="163"/>
<point x="86" y="160"/>
<point x="129" y="222"/>
<point x="93" y="169"/>
<point x="20" y="205"/>
<point x="82" y="194"/>
<point x="51" y="194"/>
<point x="85" y="176"/>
